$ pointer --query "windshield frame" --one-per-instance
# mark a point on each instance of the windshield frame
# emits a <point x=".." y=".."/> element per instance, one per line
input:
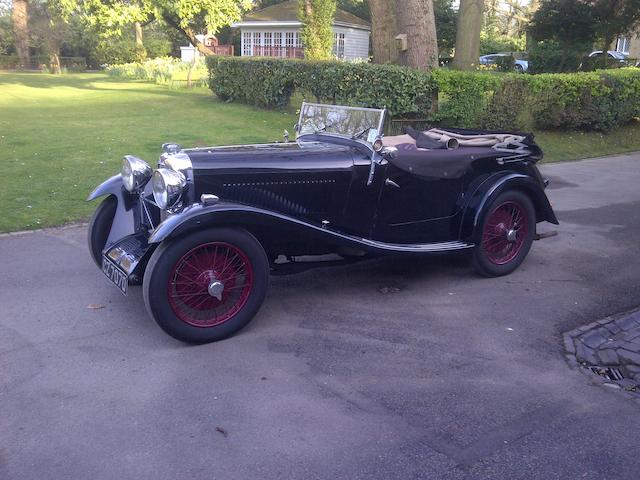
<point x="305" y="105"/>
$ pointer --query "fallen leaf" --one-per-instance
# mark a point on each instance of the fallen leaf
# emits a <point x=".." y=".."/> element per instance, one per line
<point x="222" y="431"/>
<point x="95" y="306"/>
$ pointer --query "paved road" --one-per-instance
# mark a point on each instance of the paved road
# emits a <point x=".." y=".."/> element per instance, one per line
<point x="451" y="377"/>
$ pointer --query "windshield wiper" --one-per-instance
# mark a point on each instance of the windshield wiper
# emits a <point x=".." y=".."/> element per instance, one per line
<point x="360" y="133"/>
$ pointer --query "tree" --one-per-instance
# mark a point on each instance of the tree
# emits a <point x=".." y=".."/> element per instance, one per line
<point x="445" y="25"/>
<point x="571" y="23"/>
<point x="468" y="34"/>
<point x="417" y="21"/>
<point x="614" y="18"/>
<point x="187" y="16"/>
<point x="413" y="18"/>
<point x="20" y="17"/>
<point x="317" y="27"/>
<point x="383" y="31"/>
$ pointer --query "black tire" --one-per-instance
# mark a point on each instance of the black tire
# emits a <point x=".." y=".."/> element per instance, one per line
<point x="100" y="226"/>
<point x="495" y="255"/>
<point x="518" y="68"/>
<point x="191" y="259"/>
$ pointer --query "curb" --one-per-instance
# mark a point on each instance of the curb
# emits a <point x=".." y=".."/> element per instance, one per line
<point x="66" y="226"/>
<point x="608" y="352"/>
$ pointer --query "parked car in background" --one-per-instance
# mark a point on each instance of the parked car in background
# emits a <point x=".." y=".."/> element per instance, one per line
<point x="521" y="65"/>
<point x="611" y="55"/>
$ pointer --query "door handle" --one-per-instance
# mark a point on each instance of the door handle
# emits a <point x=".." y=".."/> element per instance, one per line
<point x="391" y="183"/>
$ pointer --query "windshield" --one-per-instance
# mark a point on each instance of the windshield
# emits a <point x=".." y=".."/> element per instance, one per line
<point x="354" y="122"/>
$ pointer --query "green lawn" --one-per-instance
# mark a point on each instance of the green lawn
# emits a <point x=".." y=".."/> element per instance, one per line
<point x="62" y="135"/>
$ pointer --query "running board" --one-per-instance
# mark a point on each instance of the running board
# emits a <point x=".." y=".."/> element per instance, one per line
<point x="540" y="236"/>
<point x="417" y="247"/>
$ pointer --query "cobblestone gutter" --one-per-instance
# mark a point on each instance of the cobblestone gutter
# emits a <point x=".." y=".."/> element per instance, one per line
<point x="609" y="350"/>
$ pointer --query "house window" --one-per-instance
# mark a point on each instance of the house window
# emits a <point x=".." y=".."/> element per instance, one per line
<point x="298" y="40"/>
<point x="246" y="44"/>
<point x="268" y="39"/>
<point x="622" y="44"/>
<point x="289" y="39"/>
<point x="277" y="42"/>
<point x="338" y="45"/>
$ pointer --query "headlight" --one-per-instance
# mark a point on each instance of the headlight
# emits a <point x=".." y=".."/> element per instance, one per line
<point x="168" y="186"/>
<point x="135" y="173"/>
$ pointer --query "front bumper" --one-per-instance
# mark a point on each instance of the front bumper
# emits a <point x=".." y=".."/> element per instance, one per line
<point x="130" y="254"/>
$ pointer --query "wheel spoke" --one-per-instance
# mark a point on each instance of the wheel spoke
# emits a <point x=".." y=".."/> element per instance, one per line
<point x="188" y="292"/>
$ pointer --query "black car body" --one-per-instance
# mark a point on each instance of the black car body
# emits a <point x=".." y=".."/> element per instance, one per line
<point x="221" y="219"/>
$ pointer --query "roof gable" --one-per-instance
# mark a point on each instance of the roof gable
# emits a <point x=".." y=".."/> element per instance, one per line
<point x="288" y="12"/>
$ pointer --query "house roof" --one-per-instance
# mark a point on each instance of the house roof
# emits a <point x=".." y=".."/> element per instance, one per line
<point x="287" y="13"/>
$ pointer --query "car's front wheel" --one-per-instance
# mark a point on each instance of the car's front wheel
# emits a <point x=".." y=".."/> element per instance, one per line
<point x="507" y="233"/>
<point x="207" y="285"/>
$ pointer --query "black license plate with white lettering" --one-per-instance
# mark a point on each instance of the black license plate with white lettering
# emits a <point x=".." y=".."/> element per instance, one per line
<point x="113" y="273"/>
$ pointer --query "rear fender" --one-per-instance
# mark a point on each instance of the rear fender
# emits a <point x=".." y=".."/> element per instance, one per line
<point x="482" y="197"/>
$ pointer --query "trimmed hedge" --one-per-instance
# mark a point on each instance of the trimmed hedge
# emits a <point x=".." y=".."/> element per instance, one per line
<point x="270" y="82"/>
<point x="599" y="100"/>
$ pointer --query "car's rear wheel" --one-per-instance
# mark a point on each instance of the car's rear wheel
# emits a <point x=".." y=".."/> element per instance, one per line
<point x="100" y="226"/>
<point x="207" y="285"/>
<point x="507" y="233"/>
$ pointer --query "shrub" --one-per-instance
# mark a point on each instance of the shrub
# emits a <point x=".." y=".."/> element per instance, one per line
<point x="269" y="82"/>
<point x="598" y="100"/>
<point x="550" y="57"/>
<point x="463" y="96"/>
<point x="163" y="71"/>
<point x="261" y="82"/>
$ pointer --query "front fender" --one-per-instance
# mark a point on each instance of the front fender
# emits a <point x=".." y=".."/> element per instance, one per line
<point x="111" y="186"/>
<point x="124" y="222"/>
<point x="493" y="186"/>
<point x="225" y="213"/>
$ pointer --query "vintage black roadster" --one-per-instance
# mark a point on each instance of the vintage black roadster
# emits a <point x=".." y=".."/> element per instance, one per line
<point x="205" y="229"/>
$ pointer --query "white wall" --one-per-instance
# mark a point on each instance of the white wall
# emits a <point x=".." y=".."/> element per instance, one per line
<point x="356" y="42"/>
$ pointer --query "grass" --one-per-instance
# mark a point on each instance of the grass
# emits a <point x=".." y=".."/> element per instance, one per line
<point x="560" y="146"/>
<point x="60" y="136"/>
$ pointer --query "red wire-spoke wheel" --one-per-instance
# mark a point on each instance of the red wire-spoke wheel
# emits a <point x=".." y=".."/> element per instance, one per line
<point x="206" y="285"/>
<point x="210" y="284"/>
<point x="506" y="234"/>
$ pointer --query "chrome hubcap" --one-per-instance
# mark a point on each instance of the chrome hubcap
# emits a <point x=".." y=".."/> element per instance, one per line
<point x="215" y="289"/>
<point x="511" y="235"/>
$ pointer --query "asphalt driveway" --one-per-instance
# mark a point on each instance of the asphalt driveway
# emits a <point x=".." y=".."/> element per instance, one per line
<point x="390" y="369"/>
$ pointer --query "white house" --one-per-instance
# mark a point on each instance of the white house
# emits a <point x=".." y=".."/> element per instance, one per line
<point x="191" y="53"/>
<point x="275" y="32"/>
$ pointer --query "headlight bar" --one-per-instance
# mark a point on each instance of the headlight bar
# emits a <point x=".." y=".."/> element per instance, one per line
<point x="135" y="173"/>
<point x="168" y="186"/>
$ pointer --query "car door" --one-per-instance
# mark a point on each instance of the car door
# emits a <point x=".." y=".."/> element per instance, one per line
<point x="416" y="209"/>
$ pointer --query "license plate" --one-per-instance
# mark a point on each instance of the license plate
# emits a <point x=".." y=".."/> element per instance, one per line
<point x="113" y="273"/>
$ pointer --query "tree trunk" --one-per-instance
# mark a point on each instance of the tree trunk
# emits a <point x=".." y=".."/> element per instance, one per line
<point x="19" y="17"/>
<point x="55" y="64"/>
<point x="468" y="34"/>
<point x="188" y="34"/>
<point x="383" y="31"/>
<point x="416" y="19"/>
<point x="138" y="27"/>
